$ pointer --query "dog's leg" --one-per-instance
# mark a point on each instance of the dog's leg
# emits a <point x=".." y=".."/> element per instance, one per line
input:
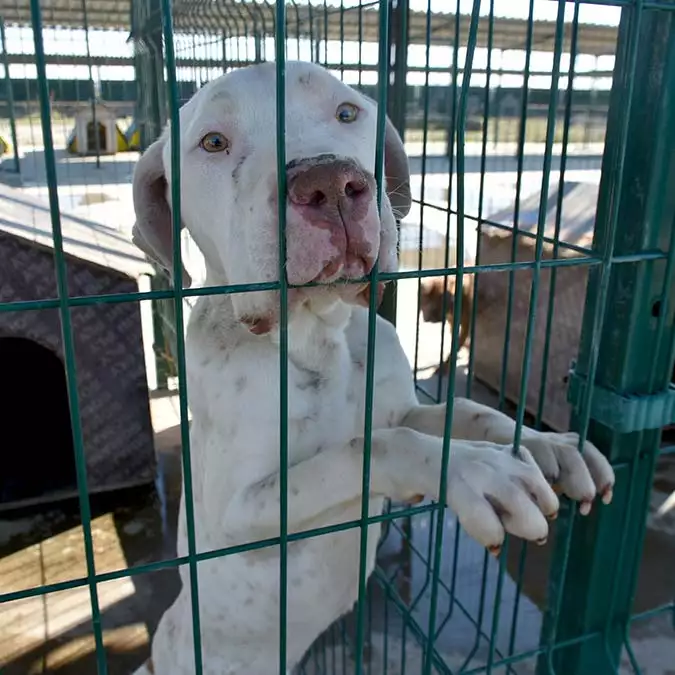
<point x="488" y="488"/>
<point x="578" y="475"/>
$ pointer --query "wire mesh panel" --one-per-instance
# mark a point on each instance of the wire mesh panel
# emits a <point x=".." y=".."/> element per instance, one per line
<point x="536" y="274"/>
<point x="92" y="98"/>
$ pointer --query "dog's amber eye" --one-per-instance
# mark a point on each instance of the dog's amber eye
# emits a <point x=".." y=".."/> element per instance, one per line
<point x="215" y="142"/>
<point x="346" y="113"/>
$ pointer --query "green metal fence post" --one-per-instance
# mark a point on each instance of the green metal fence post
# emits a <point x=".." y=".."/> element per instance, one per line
<point x="396" y="109"/>
<point x="625" y="351"/>
<point x="10" y="98"/>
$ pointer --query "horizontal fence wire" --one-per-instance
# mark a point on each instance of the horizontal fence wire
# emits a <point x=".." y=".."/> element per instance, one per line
<point x="84" y="300"/>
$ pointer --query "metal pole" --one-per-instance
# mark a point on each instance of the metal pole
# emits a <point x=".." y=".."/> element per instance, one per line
<point x="97" y="144"/>
<point x="10" y="98"/>
<point x="396" y="104"/>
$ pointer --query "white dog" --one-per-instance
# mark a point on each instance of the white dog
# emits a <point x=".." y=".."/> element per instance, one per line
<point x="333" y="233"/>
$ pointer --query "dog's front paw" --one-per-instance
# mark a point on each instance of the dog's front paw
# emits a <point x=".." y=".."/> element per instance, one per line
<point x="493" y="491"/>
<point x="579" y="476"/>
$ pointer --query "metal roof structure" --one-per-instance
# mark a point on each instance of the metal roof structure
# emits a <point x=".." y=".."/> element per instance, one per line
<point x="234" y="17"/>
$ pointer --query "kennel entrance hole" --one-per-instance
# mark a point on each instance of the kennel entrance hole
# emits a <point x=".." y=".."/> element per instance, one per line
<point x="37" y="440"/>
<point x="91" y="137"/>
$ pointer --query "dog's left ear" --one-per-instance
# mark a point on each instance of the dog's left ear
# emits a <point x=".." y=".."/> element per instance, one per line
<point x="396" y="170"/>
<point x="153" y="229"/>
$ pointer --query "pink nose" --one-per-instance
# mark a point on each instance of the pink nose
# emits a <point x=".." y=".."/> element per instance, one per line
<point x="326" y="186"/>
<point x="334" y="194"/>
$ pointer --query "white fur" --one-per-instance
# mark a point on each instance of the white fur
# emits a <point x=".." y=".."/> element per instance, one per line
<point x="234" y="382"/>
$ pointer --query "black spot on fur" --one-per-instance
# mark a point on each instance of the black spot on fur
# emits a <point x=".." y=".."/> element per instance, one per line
<point x="312" y="380"/>
<point x="262" y="485"/>
<point x="237" y="169"/>
<point x="268" y="482"/>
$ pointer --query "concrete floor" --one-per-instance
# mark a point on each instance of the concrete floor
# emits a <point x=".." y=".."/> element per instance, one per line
<point x="53" y="634"/>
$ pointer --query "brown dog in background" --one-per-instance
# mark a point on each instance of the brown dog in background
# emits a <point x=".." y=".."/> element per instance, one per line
<point x="431" y="306"/>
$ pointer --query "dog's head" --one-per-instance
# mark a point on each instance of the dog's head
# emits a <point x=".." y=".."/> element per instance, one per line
<point x="229" y="195"/>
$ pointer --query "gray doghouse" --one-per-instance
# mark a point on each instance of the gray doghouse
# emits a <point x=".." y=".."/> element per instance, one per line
<point x="111" y="381"/>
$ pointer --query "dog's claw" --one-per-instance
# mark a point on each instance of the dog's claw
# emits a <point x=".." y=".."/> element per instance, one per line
<point x="607" y="494"/>
<point x="585" y="508"/>
<point x="542" y="541"/>
<point x="495" y="550"/>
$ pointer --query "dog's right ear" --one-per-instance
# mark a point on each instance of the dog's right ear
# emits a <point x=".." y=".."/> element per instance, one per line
<point x="153" y="229"/>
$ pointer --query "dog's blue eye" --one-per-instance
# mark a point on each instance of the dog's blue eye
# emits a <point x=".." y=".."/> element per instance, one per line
<point x="214" y="142"/>
<point x="346" y="113"/>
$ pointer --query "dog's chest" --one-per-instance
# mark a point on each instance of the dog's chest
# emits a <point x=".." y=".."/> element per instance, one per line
<point x="323" y="403"/>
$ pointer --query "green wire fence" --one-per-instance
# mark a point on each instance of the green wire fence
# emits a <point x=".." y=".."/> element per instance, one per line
<point x="600" y="110"/>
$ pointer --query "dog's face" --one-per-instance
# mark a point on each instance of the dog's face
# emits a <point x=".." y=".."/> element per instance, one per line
<point x="229" y="196"/>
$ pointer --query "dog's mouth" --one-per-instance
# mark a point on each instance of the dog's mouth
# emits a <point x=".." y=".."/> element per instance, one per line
<point x="358" y="294"/>
<point x="355" y="293"/>
<point x="344" y="269"/>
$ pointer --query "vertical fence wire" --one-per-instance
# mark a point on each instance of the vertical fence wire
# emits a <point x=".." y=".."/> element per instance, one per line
<point x="373" y="279"/>
<point x="67" y="331"/>
<point x="11" y="111"/>
<point x="559" y="212"/>
<point x="448" y="216"/>
<point x="447" y="430"/>
<point x="280" y="54"/>
<point x="481" y="198"/>
<point x="423" y="182"/>
<point x="93" y="102"/>
<point x="172" y="90"/>
<point x="522" y="132"/>
<point x="534" y="291"/>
